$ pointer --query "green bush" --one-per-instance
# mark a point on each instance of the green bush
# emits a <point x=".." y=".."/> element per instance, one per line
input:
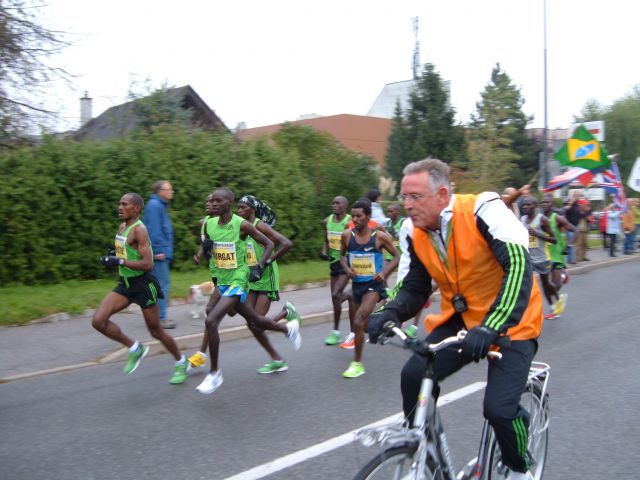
<point x="59" y="200"/>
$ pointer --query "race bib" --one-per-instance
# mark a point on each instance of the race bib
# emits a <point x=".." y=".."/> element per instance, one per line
<point x="533" y="241"/>
<point x="224" y="255"/>
<point x="363" y="265"/>
<point x="121" y="250"/>
<point x="334" y="240"/>
<point x="252" y="258"/>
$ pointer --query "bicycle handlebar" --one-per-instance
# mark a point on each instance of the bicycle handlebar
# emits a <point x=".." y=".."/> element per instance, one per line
<point x="423" y="348"/>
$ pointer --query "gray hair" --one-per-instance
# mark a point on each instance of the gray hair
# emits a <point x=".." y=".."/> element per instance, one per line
<point x="438" y="172"/>
<point x="157" y="186"/>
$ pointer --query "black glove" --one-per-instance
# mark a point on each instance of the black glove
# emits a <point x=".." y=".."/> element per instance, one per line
<point x="478" y="341"/>
<point x="207" y="247"/>
<point x="378" y="320"/>
<point x="324" y="256"/>
<point x="111" y="250"/>
<point x="111" y="261"/>
<point x="255" y="273"/>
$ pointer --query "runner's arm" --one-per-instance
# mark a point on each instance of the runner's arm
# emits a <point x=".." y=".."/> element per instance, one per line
<point x="142" y="244"/>
<point x="386" y="242"/>
<point x="282" y="243"/>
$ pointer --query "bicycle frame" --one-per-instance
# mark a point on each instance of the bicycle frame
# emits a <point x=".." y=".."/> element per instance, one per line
<point x="428" y="432"/>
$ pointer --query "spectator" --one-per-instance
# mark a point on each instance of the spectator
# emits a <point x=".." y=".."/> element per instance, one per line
<point x="156" y="218"/>
<point x="613" y="227"/>
<point x="634" y="205"/>
<point x="572" y="214"/>
<point x="629" y="228"/>
<point x="583" y="230"/>
<point x="603" y="229"/>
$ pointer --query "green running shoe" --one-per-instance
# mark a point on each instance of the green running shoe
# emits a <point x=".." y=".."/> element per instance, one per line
<point x="334" y="338"/>
<point x="179" y="373"/>
<point x="134" y="359"/>
<point x="355" y="370"/>
<point x="273" y="366"/>
<point x="411" y="331"/>
<point x="292" y="313"/>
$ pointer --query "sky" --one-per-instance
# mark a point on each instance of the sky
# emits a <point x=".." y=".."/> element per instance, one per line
<point x="263" y="62"/>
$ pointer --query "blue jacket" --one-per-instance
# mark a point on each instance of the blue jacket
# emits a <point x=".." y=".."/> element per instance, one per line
<point x="156" y="218"/>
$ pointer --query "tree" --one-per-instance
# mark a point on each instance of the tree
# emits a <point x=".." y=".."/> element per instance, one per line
<point x="158" y="106"/>
<point x="24" y="47"/>
<point x="398" y="151"/>
<point x="500" y="122"/>
<point x="428" y="128"/>
<point x="591" y="111"/>
<point x="622" y="126"/>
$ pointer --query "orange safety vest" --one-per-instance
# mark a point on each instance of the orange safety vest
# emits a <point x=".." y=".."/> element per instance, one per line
<point x="477" y="273"/>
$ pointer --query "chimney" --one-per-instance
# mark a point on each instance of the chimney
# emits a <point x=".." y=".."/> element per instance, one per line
<point x="85" y="109"/>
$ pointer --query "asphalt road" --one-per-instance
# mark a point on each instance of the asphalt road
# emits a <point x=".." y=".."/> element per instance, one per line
<point x="95" y="423"/>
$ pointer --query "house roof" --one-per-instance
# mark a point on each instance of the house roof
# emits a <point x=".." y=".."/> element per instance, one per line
<point x="385" y="105"/>
<point x="358" y="133"/>
<point x="118" y="121"/>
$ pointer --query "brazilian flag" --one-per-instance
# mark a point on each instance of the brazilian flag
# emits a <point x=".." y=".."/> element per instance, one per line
<point x="583" y="150"/>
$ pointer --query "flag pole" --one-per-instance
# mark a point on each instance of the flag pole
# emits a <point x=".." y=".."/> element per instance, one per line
<point x="544" y="180"/>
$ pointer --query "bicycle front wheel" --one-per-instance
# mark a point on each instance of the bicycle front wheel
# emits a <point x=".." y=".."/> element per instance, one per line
<point x="393" y="464"/>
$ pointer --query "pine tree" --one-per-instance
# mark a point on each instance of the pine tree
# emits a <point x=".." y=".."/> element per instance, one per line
<point x="398" y="151"/>
<point x="500" y="121"/>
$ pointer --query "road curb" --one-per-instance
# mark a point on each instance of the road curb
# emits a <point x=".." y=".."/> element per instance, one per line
<point x="185" y="342"/>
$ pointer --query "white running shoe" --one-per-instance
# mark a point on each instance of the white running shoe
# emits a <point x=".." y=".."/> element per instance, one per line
<point x="293" y="333"/>
<point x="210" y="383"/>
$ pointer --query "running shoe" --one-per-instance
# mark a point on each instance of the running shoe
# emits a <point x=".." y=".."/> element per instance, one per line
<point x="273" y="366"/>
<point x="333" y="338"/>
<point x="197" y="360"/>
<point x="211" y="383"/>
<point x="179" y="373"/>
<point x="560" y="304"/>
<point x="411" y="331"/>
<point x="292" y="313"/>
<point x="293" y="333"/>
<point x="550" y="316"/>
<point x="349" y="342"/>
<point x="354" y="371"/>
<point x="134" y="359"/>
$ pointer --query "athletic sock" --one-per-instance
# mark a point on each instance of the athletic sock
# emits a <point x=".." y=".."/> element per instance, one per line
<point x="135" y="346"/>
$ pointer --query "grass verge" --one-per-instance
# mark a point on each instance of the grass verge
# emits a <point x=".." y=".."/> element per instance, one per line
<point x="21" y="304"/>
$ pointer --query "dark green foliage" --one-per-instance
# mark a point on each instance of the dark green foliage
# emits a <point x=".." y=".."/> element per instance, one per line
<point x="59" y="201"/>
<point x="428" y="128"/>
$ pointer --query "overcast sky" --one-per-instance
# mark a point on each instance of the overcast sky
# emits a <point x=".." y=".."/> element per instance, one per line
<point x="263" y="62"/>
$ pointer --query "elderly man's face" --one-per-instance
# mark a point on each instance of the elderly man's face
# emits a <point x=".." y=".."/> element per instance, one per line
<point x="422" y="205"/>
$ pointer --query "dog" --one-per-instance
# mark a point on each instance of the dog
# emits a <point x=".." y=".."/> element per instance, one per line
<point x="199" y="297"/>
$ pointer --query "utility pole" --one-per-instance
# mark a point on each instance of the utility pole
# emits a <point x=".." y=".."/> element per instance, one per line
<point x="545" y="170"/>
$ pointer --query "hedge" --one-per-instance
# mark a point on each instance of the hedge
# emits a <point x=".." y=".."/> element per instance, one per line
<point x="59" y="200"/>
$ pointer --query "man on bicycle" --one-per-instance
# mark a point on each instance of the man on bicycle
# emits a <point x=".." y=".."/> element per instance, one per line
<point x="476" y="252"/>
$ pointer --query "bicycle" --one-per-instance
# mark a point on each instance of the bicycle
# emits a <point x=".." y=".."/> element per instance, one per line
<point x="420" y="451"/>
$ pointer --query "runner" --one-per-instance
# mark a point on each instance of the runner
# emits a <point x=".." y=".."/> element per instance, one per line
<point x="265" y="290"/>
<point x="333" y="226"/>
<point x="134" y="259"/>
<point x="225" y="242"/>
<point x="540" y="236"/>
<point x="364" y="267"/>
<point x="559" y="225"/>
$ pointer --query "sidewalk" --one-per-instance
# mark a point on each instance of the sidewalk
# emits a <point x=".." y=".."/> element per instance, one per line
<point x="70" y="343"/>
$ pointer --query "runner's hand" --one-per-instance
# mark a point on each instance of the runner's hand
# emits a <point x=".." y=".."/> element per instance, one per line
<point x="324" y="256"/>
<point x="111" y="261"/>
<point x="207" y="247"/>
<point x="378" y="320"/>
<point x="255" y="273"/>
<point x="477" y="342"/>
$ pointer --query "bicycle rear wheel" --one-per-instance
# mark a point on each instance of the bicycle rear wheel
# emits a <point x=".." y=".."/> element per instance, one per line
<point x="538" y="434"/>
<point x="392" y="464"/>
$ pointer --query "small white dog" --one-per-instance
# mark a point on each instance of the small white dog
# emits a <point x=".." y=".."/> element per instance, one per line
<point x="199" y="297"/>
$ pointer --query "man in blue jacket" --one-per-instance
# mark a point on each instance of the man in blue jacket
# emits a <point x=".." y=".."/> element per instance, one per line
<point x="156" y="218"/>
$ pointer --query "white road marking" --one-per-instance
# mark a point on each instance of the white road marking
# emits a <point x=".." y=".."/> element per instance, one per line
<point x="294" y="458"/>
